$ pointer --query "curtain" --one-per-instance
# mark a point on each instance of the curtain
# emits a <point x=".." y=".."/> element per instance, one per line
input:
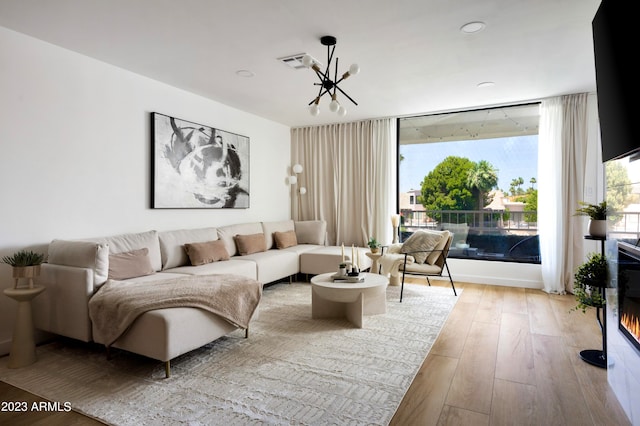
<point x="574" y="136"/>
<point x="562" y="148"/>
<point x="349" y="174"/>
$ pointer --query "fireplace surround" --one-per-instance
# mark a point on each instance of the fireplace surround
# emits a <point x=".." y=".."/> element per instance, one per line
<point x="629" y="292"/>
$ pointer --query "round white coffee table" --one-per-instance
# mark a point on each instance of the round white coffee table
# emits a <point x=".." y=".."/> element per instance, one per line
<point x="348" y="300"/>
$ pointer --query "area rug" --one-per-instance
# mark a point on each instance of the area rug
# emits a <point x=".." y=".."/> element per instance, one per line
<point x="291" y="370"/>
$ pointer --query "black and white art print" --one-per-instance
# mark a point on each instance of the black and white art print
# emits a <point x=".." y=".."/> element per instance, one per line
<point x="196" y="166"/>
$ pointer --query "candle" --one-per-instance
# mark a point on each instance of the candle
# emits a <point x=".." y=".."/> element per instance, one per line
<point x="353" y="256"/>
<point x="342" y="252"/>
<point x="395" y="220"/>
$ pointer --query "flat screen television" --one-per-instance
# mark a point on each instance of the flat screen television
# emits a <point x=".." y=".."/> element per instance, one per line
<point x="614" y="37"/>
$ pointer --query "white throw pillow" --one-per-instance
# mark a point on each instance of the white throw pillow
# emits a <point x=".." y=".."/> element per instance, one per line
<point x="424" y="241"/>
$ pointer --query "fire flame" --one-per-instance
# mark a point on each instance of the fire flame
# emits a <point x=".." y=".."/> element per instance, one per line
<point x="632" y="324"/>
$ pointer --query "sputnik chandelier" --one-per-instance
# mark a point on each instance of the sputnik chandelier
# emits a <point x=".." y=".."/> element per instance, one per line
<point x="327" y="85"/>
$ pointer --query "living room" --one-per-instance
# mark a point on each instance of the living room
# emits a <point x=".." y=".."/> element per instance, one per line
<point x="76" y="132"/>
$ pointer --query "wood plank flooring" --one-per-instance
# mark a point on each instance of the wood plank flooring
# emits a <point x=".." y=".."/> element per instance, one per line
<point x="509" y="356"/>
<point x="506" y="356"/>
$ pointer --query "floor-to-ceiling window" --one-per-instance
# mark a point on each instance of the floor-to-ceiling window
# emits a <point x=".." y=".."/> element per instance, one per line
<point x="473" y="173"/>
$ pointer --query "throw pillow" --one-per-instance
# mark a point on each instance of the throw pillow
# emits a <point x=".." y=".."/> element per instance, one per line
<point x="208" y="252"/>
<point x="437" y="250"/>
<point x="285" y="239"/>
<point x="130" y="264"/>
<point x="420" y="243"/>
<point x="311" y="232"/>
<point x="252" y="243"/>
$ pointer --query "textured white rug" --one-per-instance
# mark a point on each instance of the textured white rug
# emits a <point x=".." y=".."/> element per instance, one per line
<point x="291" y="370"/>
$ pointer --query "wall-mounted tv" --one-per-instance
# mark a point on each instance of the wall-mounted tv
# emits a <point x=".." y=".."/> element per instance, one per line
<point x="614" y="38"/>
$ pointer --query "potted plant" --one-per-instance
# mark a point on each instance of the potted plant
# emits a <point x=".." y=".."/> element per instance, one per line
<point x="342" y="269"/>
<point x="373" y="244"/>
<point x="25" y="264"/>
<point x="589" y="279"/>
<point x="597" y="217"/>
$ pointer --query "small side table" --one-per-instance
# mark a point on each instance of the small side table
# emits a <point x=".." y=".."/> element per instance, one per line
<point x="23" y="346"/>
<point x="375" y="267"/>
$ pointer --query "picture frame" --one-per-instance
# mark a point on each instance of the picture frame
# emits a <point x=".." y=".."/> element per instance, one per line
<point x="197" y="166"/>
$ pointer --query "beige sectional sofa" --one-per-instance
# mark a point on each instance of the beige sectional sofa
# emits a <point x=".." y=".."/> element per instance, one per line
<point x="76" y="269"/>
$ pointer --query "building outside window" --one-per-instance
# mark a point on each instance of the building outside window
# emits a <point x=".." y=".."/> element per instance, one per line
<point x="473" y="173"/>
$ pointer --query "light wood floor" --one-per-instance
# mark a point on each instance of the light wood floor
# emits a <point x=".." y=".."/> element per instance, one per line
<point x="506" y="356"/>
<point x="509" y="356"/>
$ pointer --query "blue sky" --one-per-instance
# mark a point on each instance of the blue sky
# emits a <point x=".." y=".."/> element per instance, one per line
<point x="513" y="157"/>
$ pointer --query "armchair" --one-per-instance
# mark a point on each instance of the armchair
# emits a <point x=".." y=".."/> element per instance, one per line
<point x="408" y="267"/>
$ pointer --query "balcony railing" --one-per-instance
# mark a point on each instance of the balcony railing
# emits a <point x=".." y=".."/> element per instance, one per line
<point x="481" y="234"/>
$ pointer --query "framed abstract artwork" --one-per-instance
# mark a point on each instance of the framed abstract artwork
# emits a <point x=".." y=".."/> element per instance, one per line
<point x="196" y="166"/>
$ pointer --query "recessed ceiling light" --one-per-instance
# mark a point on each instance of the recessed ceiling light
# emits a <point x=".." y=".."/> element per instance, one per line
<point x="473" y="27"/>
<point x="486" y="84"/>
<point x="245" y="73"/>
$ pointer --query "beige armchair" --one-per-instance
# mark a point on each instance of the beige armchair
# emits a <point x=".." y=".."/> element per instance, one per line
<point x="409" y="267"/>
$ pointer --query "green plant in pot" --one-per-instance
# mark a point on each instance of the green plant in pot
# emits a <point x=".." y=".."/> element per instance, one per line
<point x="373" y="244"/>
<point x="25" y="264"/>
<point x="597" y="214"/>
<point x="589" y="279"/>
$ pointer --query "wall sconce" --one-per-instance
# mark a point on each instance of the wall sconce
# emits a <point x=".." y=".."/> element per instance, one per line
<point x="296" y="169"/>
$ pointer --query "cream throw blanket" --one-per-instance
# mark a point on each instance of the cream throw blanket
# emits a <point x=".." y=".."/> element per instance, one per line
<point x="392" y="259"/>
<point x="117" y="304"/>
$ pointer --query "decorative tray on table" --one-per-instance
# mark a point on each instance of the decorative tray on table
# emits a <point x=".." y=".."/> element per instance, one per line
<point x="348" y="278"/>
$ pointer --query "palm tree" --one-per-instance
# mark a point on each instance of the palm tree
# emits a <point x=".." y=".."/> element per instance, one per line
<point x="484" y="177"/>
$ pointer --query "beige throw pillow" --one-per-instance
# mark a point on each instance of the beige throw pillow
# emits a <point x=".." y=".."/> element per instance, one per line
<point x="311" y="232"/>
<point x="424" y="241"/>
<point x="130" y="264"/>
<point x="248" y="244"/>
<point x="285" y="239"/>
<point x="207" y="252"/>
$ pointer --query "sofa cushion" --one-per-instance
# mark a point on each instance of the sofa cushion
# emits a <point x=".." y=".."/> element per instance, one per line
<point x="127" y="242"/>
<point x="311" y="231"/>
<point x="248" y="244"/>
<point x="226" y="234"/>
<point x="82" y="254"/>
<point x="207" y="252"/>
<point x="130" y="264"/>
<point x="285" y="239"/>
<point x="269" y="228"/>
<point x="172" y="244"/>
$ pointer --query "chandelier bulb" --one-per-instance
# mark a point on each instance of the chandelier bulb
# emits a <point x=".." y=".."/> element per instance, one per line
<point x="334" y="105"/>
<point x="342" y="111"/>
<point x="307" y="60"/>
<point x="314" y="110"/>
<point x="354" y="69"/>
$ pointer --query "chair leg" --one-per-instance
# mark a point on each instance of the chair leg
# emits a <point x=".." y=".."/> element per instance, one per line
<point x="450" y="279"/>
<point x="402" y="286"/>
<point x="428" y="282"/>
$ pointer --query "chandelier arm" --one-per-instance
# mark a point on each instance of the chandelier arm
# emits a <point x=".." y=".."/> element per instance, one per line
<point x="335" y="78"/>
<point x="330" y="50"/>
<point x="348" y="97"/>
<point x="320" y="76"/>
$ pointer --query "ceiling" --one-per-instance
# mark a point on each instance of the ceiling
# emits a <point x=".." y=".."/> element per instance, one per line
<point x="413" y="57"/>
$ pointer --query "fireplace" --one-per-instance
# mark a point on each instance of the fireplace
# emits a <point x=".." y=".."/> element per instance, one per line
<point x="629" y="292"/>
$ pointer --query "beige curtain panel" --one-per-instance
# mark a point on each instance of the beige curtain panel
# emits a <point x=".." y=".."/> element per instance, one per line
<point x="350" y="177"/>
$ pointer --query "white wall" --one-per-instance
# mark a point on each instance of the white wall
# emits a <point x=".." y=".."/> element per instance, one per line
<point x="75" y="153"/>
